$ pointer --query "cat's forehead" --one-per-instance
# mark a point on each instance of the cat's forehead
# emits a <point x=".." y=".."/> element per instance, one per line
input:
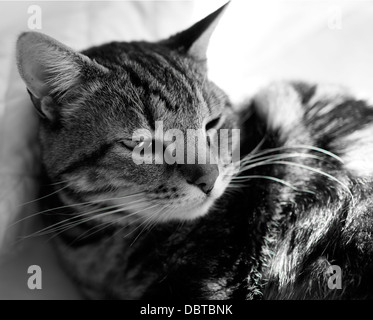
<point x="176" y="102"/>
<point x="174" y="106"/>
<point x="148" y="83"/>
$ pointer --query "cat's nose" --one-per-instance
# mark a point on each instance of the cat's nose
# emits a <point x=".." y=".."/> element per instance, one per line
<point x="201" y="175"/>
<point x="206" y="183"/>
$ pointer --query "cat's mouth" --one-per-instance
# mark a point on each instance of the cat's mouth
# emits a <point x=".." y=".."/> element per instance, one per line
<point x="143" y="208"/>
<point x="176" y="200"/>
<point x="188" y="204"/>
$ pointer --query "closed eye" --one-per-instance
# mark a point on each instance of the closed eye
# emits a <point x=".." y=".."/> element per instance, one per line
<point x="212" y="124"/>
<point x="130" y="144"/>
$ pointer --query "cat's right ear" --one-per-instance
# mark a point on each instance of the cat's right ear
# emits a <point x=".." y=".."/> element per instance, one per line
<point x="50" y="70"/>
<point x="195" y="40"/>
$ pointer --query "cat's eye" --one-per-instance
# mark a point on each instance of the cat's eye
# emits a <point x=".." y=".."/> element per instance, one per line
<point x="212" y="124"/>
<point x="130" y="144"/>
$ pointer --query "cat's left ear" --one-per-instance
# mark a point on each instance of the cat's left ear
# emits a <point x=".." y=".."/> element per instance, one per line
<point x="52" y="71"/>
<point x="194" y="41"/>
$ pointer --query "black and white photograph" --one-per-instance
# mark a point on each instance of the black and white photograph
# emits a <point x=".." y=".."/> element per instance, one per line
<point x="198" y="150"/>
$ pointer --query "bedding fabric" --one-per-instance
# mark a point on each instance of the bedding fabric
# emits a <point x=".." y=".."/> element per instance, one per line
<point x="79" y="24"/>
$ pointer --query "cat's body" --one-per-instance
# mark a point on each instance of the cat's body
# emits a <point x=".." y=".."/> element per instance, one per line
<point x="300" y="203"/>
<point x="264" y="239"/>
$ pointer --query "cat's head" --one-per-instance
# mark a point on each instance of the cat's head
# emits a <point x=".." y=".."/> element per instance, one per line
<point x="91" y="104"/>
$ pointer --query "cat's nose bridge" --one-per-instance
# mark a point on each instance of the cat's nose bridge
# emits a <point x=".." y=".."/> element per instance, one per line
<point x="189" y="148"/>
<point x="197" y="150"/>
<point x="202" y="176"/>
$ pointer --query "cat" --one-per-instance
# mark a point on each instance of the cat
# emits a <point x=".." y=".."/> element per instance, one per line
<point x="269" y="226"/>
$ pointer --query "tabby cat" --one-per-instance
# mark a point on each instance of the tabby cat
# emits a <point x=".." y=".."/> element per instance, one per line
<point x="266" y="227"/>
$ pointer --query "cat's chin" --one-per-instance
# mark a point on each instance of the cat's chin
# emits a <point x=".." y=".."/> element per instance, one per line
<point x="191" y="212"/>
<point x="195" y="210"/>
<point x="139" y="208"/>
<point x="186" y="212"/>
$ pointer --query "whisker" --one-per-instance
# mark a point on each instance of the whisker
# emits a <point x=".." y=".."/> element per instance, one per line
<point x="62" y="224"/>
<point x="319" y="172"/>
<point x="313" y="170"/>
<point x="56" y="183"/>
<point x="321" y="150"/>
<point x="75" y="205"/>
<point x="258" y="146"/>
<point x="245" y="178"/>
<point x="148" y="219"/>
<point x="255" y="164"/>
<point x="73" y="224"/>
<point x="46" y="196"/>
<point x="109" y="223"/>
<point x="317" y="149"/>
<point x="281" y="156"/>
<point x="134" y="221"/>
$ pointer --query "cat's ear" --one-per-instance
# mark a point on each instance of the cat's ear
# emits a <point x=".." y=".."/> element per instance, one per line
<point x="49" y="68"/>
<point x="194" y="41"/>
